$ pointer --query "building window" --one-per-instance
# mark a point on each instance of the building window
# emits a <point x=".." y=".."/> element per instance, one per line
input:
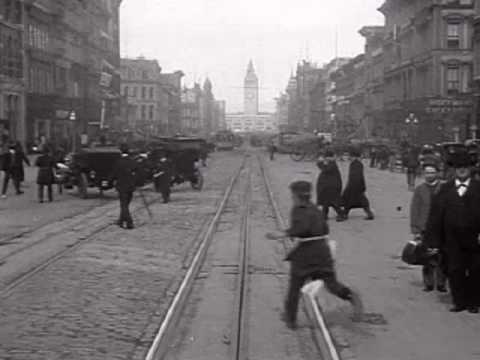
<point x="151" y="93"/>
<point x="144" y="112"/>
<point x="125" y="91"/>
<point x="144" y="92"/>
<point x="453" y="79"/>
<point x="453" y="36"/>
<point x="150" y="112"/>
<point x="134" y="91"/>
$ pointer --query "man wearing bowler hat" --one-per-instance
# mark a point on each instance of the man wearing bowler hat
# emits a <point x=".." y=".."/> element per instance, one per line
<point x="454" y="227"/>
<point x="124" y="174"/>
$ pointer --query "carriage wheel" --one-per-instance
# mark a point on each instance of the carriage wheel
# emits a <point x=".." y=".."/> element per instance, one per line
<point x="297" y="154"/>
<point x="198" y="184"/>
<point x="82" y="185"/>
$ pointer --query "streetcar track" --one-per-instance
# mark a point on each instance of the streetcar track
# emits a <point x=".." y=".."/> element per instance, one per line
<point x="237" y="337"/>
<point x="12" y="284"/>
<point x="320" y="332"/>
<point x="160" y="343"/>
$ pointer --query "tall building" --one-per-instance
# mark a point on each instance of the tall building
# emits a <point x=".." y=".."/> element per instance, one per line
<point x="143" y="95"/>
<point x="428" y="63"/>
<point x="12" y="85"/>
<point x="251" y="91"/>
<point x="476" y="76"/>
<point x="72" y="62"/>
<point x="251" y="120"/>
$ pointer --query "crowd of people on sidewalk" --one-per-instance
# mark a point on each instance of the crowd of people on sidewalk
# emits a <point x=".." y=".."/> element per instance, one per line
<point x="445" y="220"/>
<point x="12" y="165"/>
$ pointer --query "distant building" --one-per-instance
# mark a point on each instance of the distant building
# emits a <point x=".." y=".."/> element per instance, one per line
<point x="428" y="62"/>
<point x="201" y="113"/>
<point x="151" y="99"/>
<point x="476" y="75"/>
<point x="251" y="120"/>
<point x="12" y="91"/>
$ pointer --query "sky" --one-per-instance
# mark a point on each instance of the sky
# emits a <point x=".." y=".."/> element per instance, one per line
<point x="217" y="38"/>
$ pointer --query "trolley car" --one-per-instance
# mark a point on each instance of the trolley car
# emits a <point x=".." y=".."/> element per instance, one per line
<point x="224" y="140"/>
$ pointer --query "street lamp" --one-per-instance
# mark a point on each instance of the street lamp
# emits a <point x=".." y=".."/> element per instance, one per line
<point x="456" y="134"/>
<point x="411" y="120"/>
<point x="474" y="129"/>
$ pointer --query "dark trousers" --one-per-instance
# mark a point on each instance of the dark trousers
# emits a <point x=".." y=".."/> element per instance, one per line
<point x="364" y="204"/>
<point x="272" y="153"/>
<point x="434" y="274"/>
<point x="125" y="200"/>
<point x="411" y="176"/>
<point x="335" y="205"/>
<point x="6" y="180"/>
<point x="49" y="192"/>
<point x="464" y="277"/>
<point x="296" y="283"/>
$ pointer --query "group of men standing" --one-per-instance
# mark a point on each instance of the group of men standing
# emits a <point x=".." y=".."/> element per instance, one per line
<point x="329" y="187"/>
<point x="445" y="216"/>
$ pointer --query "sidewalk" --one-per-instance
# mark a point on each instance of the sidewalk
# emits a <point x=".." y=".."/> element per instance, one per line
<point x="412" y="325"/>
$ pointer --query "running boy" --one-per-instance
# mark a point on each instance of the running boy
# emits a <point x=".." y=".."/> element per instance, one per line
<point x="311" y="258"/>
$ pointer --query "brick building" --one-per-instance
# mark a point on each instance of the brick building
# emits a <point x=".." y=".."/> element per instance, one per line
<point x="428" y="65"/>
<point x="373" y="92"/>
<point x="12" y="99"/>
<point x="73" y="61"/>
<point x="476" y="49"/>
<point x="349" y="106"/>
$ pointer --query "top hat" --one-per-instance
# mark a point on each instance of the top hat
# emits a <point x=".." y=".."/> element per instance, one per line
<point x="460" y="160"/>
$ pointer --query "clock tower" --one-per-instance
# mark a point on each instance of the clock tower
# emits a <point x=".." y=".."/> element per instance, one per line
<point x="251" y="91"/>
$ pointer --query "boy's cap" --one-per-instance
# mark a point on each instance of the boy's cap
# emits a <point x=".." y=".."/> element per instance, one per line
<point x="431" y="165"/>
<point x="301" y="187"/>
<point x="329" y="153"/>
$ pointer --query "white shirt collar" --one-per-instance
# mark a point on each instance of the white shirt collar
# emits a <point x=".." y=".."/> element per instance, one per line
<point x="124" y="155"/>
<point x="466" y="182"/>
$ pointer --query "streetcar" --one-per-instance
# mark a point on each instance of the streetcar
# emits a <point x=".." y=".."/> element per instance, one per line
<point x="225" y="140"/>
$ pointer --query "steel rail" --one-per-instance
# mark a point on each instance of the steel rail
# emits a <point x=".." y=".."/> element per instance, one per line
<point x="7" y="290"/>
<point x="323" y="338"/>
<point x="240" y="330"/>
<point x="159" y="345"/>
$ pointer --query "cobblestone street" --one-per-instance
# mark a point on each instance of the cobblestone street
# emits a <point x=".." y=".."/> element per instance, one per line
<point x="411" y="324"/>
<point x="105" y="299"/>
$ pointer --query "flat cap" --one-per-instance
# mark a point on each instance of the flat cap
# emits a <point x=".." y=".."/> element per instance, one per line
<point x="301" y="187"/>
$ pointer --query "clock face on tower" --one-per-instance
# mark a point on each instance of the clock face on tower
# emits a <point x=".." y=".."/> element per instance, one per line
<point x="250" y="96"/>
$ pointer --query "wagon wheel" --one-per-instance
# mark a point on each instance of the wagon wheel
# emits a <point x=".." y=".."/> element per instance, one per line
<point x="297" y="154"/>
<point x="82" y="185"/>
<point x="198" y="184"/>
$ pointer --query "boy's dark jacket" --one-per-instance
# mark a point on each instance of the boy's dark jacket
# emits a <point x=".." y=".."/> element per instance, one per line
<point x="310" y="256"/>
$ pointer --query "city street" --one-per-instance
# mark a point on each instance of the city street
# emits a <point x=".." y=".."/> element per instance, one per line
<point x="407" y="323"/>
<point x="105" y="297"/>
<point x="19" y="214"/>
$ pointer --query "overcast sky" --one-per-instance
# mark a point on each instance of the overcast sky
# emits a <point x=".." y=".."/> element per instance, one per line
<point x="216" y="38"/>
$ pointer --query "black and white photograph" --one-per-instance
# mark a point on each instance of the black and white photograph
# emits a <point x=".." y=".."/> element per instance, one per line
<point x="239" y="180"/>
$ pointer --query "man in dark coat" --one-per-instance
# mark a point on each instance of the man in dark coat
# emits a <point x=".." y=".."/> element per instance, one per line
<point x="354" y="194"/>
<point x="329" y="185"/>
<point x="13" y="168"/>
<point x="411" y="163"/>
<point x="124" y="175"/>
<point x="311" y="258"/>
<point x="162" y="177"/>
<point x="453" y="227"/>
<point x="45" y="177"/>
